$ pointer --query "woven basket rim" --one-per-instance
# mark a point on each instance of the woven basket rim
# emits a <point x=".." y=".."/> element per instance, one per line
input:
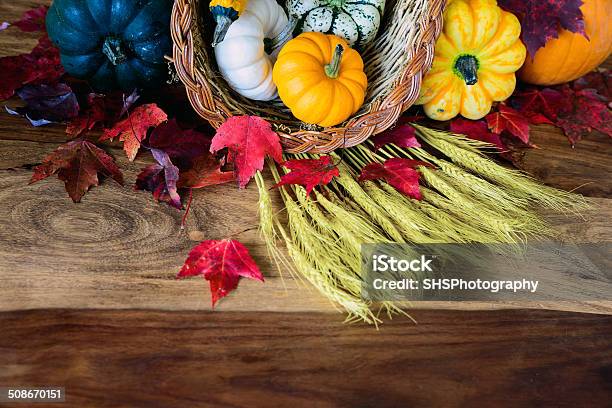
<point x="383" y="113"/>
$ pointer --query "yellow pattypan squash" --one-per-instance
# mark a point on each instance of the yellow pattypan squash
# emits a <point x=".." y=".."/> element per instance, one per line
<point x="475" y="60"/>
<point x="320" y="78"/>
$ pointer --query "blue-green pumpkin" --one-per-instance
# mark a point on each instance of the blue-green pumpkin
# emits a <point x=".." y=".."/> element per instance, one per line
<point x="113" y="43"/>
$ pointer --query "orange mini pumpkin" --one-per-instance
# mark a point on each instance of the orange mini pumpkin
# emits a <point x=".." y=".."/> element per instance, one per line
<point x="571" y="55"/>
<point x="320" y="78"/>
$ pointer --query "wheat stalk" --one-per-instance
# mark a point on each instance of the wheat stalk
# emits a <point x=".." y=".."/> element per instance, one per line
<point x="466" y="198"/>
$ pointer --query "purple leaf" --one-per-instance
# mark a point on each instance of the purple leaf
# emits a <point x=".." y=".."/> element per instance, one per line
<point x="47" y="103"/>
<point x="35" y="123"/>
<point x="541" y="20"/>
<point x="128" y="102"/>
<point x="183" y="161"/>
<point x="151" y="178"/>
<point x="182" y="145"/>
<point x="171" y="176"/>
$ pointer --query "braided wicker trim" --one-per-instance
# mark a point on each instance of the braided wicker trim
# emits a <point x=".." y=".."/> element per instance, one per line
<point x="380" y="113"/>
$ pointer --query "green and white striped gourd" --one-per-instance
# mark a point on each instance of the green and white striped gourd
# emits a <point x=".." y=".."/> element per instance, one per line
<point x="357" y="21"/>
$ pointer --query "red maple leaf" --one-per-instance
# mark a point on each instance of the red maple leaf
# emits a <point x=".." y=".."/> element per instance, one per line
<point x="179" y="143"/>
<point x="599" y="80"/>
<point x="41" y="65"/>
<point x="14" y="75"/>
<point x="31" y="21"/>
<point x="189" y="150"/>
<point x="541" y="20"/>
<point x="587" y="111"/>
<point x="539" y="105"/>
<point x="93" y="114"/>
<point x="248" y="140"/>
<point x="401" y="136"/>
<point x="309" y="172"/>
<point x="133" y="130"/>
<point x="44" y="61"/>
<point x="577" y="109"/>
<point x="508" y="119"/>
<point x="398" y="172"/>
<point x="205" y="171"/>
<point x="77" y="163"/>
<point x="183" y="161"/>
<point x="101" y="110"/>
<point x="222" y="263"/>
<point x="477" y="130"/>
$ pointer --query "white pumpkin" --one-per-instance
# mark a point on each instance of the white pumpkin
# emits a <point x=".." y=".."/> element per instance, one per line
<point x="241" y="56"/>
<point x="357" y="21"/>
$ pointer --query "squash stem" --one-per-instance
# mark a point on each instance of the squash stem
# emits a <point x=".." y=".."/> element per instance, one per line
<point x="466" y="67"/>
<point x="337" y="4"/>
<point x="223" y="24"/>
<point x="271" y="44"/>
<point x="114" y="51"/>
<point x="333" y="68"/>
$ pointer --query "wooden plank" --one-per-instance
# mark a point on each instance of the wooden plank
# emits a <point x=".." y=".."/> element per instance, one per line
<point x="584" y="168"/>
<point x="119" y="249"/>
<point x="154" y="359"/>
<point x="13" y="40"/>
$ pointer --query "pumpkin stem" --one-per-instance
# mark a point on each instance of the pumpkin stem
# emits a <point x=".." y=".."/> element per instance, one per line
<point x="223" y="24"/>
<point x="271" y="44"/>
<point x="333" y="68"/>
<point x="466" y="67"/>
<point x="114" y="50"/>
<point x="337" y="4"/>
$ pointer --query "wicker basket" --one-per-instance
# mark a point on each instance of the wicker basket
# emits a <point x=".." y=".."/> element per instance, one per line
<point x="394" y="64"/>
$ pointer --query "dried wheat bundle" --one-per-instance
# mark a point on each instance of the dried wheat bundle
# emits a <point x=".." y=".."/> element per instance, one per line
<point x="468" y="198"/>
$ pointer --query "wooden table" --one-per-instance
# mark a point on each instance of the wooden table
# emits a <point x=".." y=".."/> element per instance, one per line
<point x="88" y="301"/>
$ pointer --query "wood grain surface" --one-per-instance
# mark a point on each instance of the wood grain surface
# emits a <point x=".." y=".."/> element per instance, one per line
<point x="119" y="249"/>
<point x="88" y="301"/>
<point x="191" y="359"/>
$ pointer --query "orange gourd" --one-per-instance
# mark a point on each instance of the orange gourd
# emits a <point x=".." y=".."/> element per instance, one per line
<point x="320" y="78"/>
<point x="571" y="55"/>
